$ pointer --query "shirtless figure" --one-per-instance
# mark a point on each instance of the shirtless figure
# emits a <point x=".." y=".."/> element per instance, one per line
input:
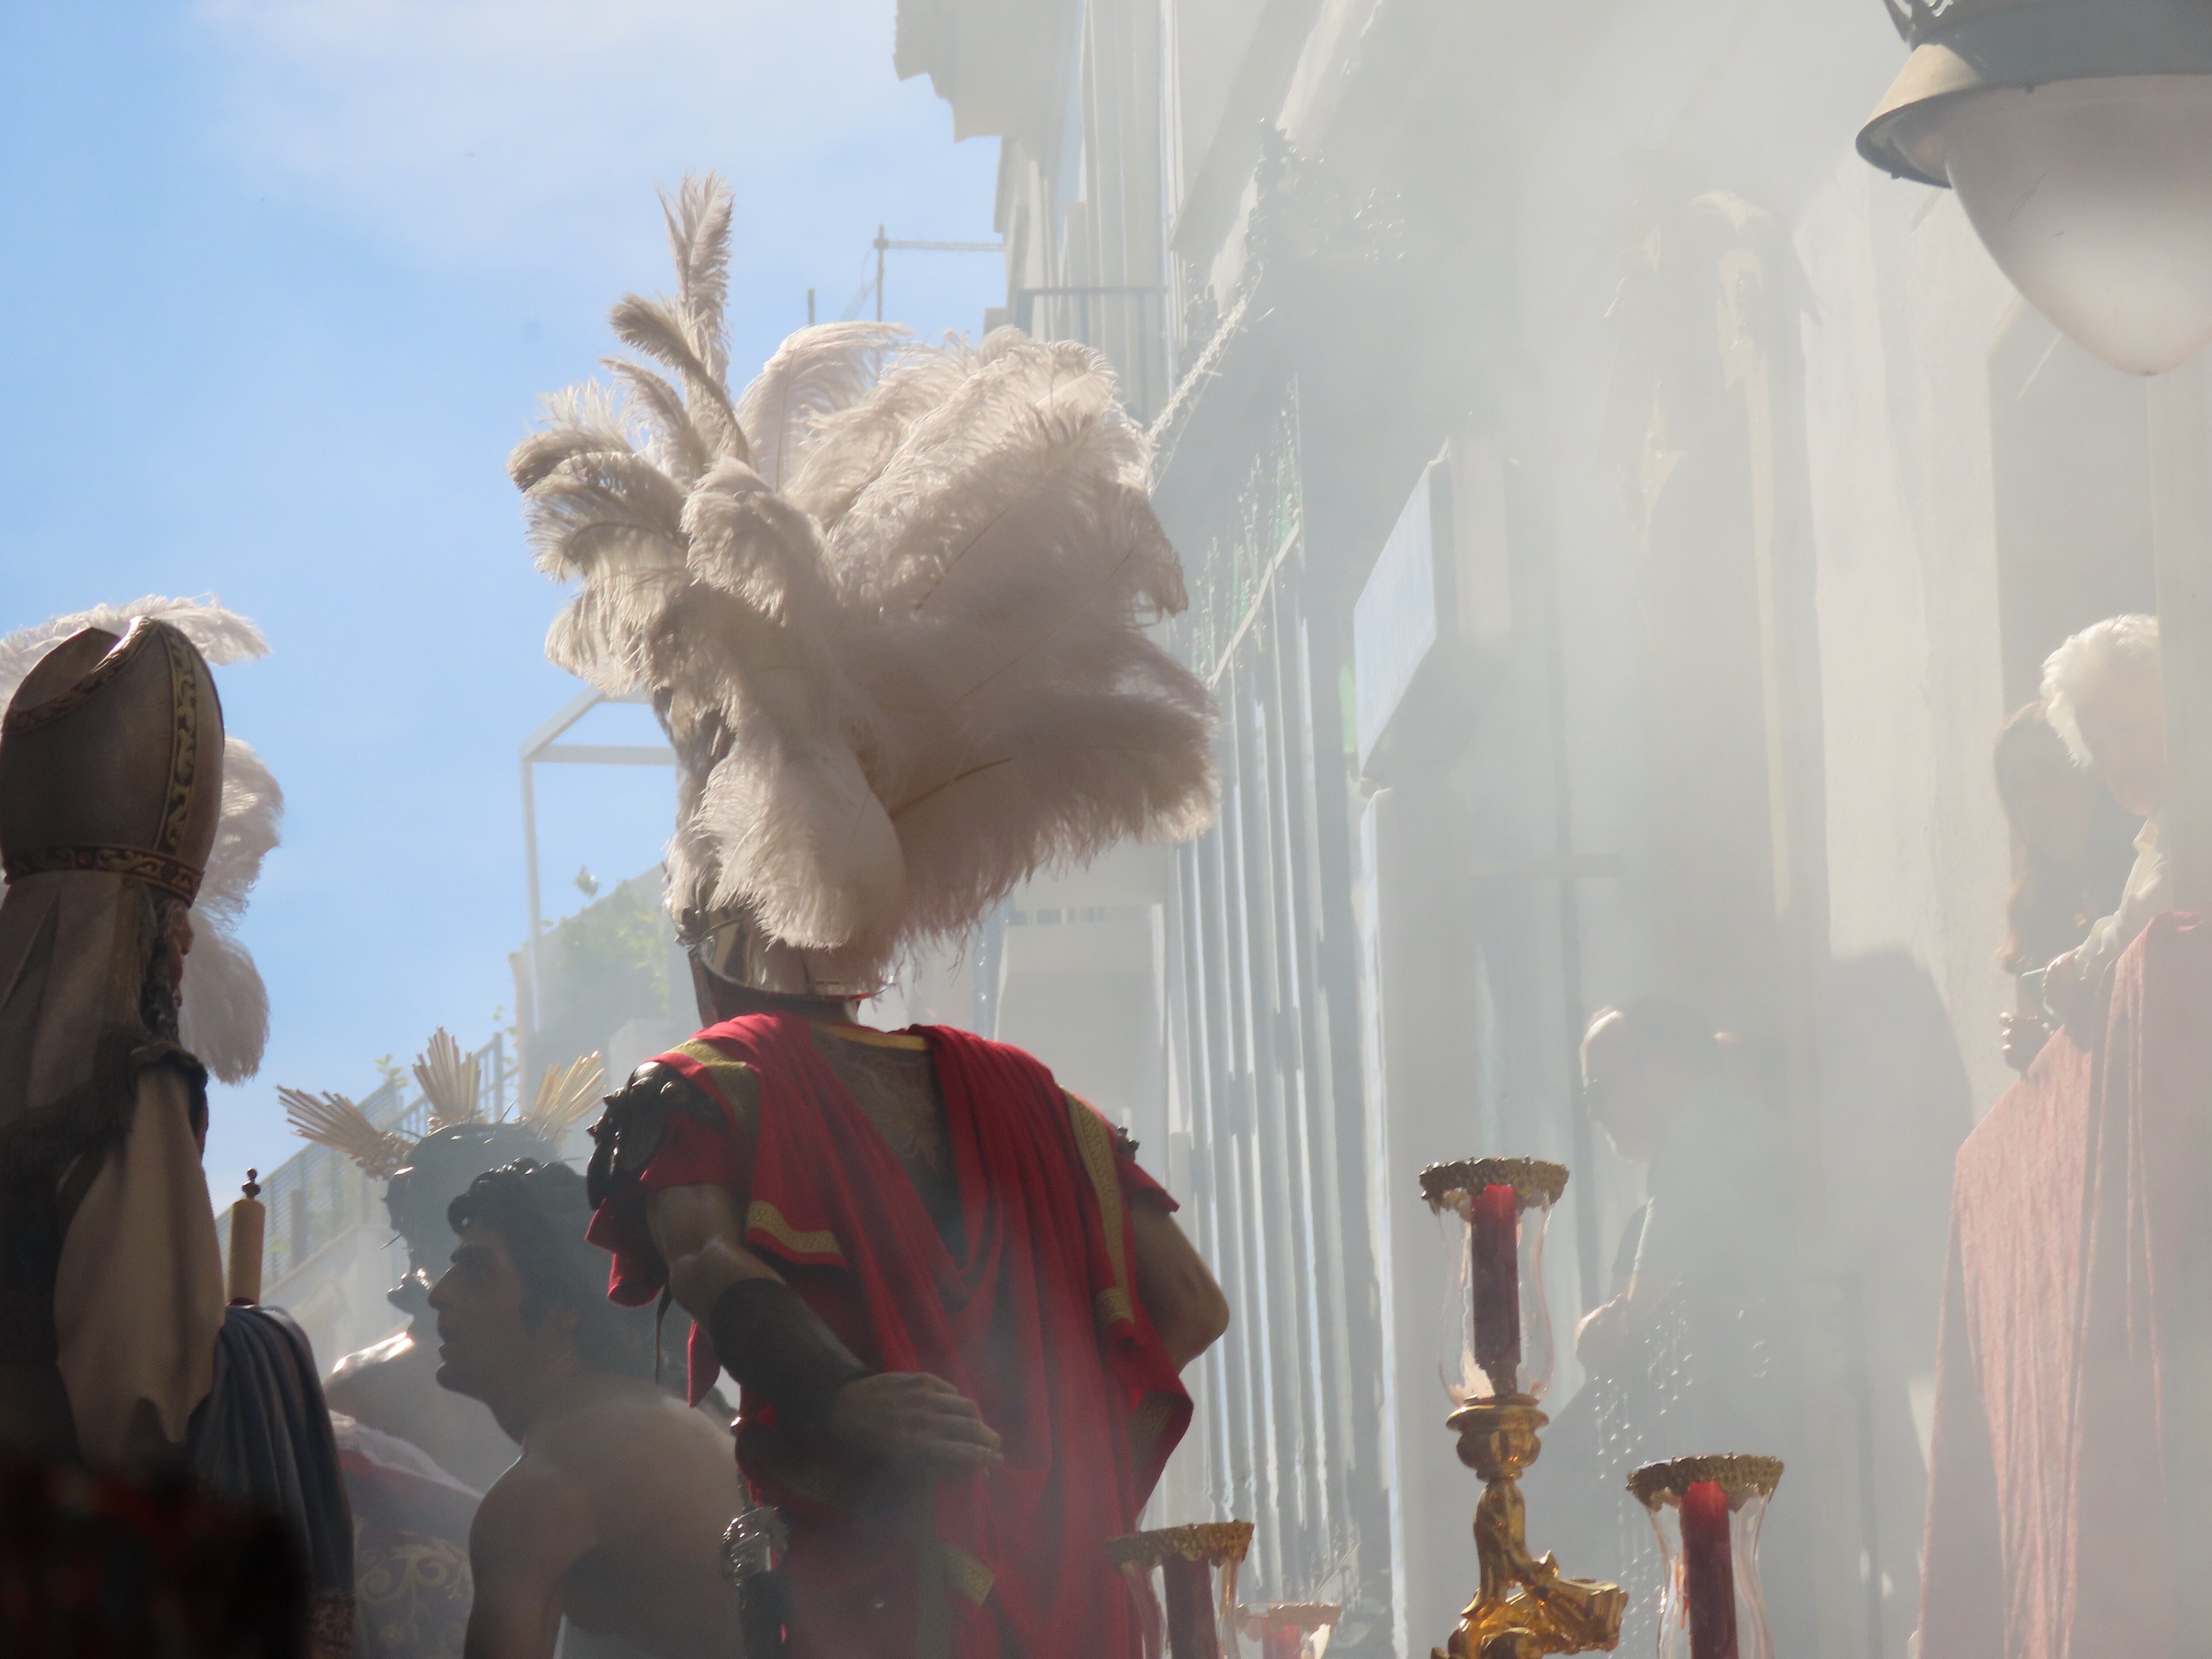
<point x="391" y="1386"/>
<point x="613" y="1514"/>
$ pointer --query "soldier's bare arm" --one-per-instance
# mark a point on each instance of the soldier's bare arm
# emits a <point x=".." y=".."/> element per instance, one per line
<point x="885" y="1416"/>
<point x="701" y="1236"/>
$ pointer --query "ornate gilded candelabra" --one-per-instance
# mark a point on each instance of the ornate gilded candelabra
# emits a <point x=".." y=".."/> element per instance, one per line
<point x="1707" y="1512"/>
<point x="1497" y="1367"/>
<point x="1200" y="1623"/>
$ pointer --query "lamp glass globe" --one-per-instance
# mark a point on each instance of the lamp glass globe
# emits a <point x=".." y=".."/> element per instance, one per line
<point x="2095" y="197"/>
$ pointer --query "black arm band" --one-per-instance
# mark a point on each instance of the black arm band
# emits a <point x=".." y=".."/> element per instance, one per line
<point x="779" y="1350"/>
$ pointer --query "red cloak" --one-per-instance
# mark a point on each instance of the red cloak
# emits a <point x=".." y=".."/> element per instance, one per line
<point x="1036" y="1318"/>
<point x="2070" y="1364"/>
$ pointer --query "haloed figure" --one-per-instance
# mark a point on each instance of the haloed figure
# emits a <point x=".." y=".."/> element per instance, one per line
<point x="390" y="1386"/>
<point x="612" y="1517"/>
<point x="2103" y="695"/>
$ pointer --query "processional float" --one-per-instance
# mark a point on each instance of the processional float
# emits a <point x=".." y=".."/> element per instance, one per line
<point x="1706" y="1510"/>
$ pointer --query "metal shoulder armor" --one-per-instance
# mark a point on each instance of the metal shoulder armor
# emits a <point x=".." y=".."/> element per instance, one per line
<point x="632" y="1123"/>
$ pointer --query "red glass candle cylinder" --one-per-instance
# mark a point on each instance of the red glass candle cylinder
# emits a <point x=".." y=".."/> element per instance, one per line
<point x="1187" y="1588"/>
<point x="1494" y="1283"/>
<point x="1497" y="1329"/>
<point x="1708" y="1512"/>
<point x="1708" y="1571"/>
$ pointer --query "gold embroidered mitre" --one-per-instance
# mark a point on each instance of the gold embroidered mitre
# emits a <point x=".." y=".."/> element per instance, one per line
<point x="112" y="759"/>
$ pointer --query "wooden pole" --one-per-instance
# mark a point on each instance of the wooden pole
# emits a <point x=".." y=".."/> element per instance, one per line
<point x="249" y="1225"/>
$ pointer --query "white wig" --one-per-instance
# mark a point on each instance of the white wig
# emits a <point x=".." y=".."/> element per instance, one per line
<point x="2118" y="645"/>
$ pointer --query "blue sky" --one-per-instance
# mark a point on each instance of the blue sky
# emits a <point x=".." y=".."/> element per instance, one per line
<point x="283" y="280"/>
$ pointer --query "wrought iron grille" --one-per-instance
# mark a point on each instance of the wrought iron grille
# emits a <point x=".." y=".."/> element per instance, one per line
<point x="1263" y="990"/>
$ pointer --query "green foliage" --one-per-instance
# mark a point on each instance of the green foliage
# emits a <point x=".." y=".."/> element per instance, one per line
<point x="614" y="960"/>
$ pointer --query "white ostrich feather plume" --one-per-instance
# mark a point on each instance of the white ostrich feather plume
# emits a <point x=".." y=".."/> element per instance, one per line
<point x="224" y="1017"/>
<point x="222" y="636"/>
<point x="890" y="604"/>
<point x="815" y="373"/>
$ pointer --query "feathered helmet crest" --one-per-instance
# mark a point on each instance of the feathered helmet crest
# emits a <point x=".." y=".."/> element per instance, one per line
<point x="888" y="604"/>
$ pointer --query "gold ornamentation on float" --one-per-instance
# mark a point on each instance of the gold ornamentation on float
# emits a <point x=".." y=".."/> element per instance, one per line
<point x="1526" y="1606"/>
<point x="1214" y="1542"/>
<point x="1733" y="1472"/>
<point x="1498" y="1364"/>
<point x="1532" y="1179"/>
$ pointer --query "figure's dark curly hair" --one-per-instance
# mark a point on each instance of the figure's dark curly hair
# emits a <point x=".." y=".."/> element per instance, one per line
<point x="439" y="1170"/>
<point x="540" y="1210"/>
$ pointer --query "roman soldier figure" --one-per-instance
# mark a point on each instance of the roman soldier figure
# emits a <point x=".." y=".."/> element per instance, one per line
<point x="889" y="606"/>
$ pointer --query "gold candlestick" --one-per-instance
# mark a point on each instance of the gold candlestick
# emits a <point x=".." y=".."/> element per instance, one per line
<point x="1201" y="1622"/>
<point x="1525" y="1607"/>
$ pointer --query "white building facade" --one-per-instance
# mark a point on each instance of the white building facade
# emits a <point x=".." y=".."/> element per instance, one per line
<point x="1618" y="522"/>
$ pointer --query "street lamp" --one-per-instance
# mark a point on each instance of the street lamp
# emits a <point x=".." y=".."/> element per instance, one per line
<point x="2078" y="136"/>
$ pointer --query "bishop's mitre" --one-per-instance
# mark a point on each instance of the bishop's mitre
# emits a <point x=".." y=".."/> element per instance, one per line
<point x="111" y="760"/>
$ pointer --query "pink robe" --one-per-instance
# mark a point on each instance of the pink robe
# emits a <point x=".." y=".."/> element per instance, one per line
<point x="2074" y="1323"/>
